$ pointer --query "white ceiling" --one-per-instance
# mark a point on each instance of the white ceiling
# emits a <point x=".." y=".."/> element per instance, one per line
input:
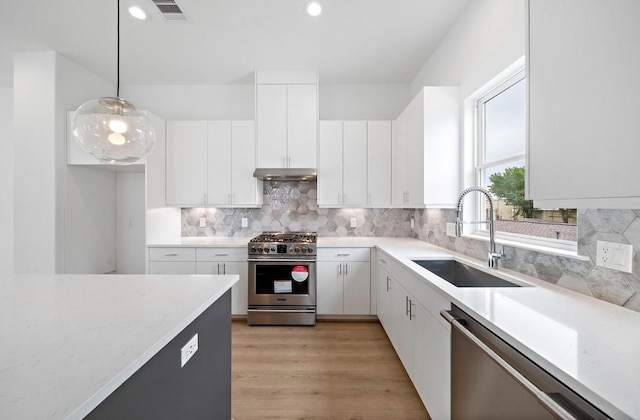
<point x="224" y="41"/>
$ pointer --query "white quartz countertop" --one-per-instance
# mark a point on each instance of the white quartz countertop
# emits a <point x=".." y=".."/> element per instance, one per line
<point x="590" y="345"/>
<point x="68" y="341"/>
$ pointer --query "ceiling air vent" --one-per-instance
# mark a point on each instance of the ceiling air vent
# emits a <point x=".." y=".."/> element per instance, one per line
<point x="170" y="10"/>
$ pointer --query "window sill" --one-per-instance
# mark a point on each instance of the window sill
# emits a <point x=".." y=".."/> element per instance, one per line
<point x="573" y="254"/>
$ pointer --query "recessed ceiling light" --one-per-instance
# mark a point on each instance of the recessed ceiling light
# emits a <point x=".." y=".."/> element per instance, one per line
<point x="314" y="8"/>
<point x="137" y="13"/>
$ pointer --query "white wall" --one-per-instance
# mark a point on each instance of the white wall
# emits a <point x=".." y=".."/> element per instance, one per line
<point x="90" y="221"/>
<point x="6" y="181"/>
<point x="34" y="163"/>
<point x="46" y="86"/>
<point x="362" y="102"/>
<point x="486" y="38"/>
<point x="130" y="223"/>
<point x="237" y="102"/>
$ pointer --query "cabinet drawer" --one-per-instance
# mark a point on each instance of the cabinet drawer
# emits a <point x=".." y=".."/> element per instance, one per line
<point x="172" y="254"/>
<point x="172" y="267"/>
<point x="221" y="254"/>
<point x="344" y="254"/>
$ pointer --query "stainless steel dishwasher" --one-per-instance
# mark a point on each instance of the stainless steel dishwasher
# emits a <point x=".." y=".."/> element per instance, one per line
<point x="492" y="380"/>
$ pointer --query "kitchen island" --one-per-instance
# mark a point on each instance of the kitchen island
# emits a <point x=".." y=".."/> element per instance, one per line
<point x="74" y="343"/>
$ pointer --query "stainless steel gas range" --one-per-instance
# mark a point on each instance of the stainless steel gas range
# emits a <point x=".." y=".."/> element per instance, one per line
<point x="282" y="279"/>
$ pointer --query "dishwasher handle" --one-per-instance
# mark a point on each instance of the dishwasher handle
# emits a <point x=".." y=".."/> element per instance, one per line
<point x="537" y="393"/>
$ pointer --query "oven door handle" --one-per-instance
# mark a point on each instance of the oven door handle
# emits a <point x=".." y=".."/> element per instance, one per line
<point x="306" y="311"/>
<point x="280" y="261"/>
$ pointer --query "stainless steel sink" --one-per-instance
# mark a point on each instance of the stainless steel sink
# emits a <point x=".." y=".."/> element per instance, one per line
<point x="461" y="275"/>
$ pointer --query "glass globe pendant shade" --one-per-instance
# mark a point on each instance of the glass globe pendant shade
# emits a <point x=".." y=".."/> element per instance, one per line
<point x="113" y="130"/>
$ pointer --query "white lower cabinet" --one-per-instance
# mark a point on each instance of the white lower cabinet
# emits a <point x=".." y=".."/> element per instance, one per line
<point x="409" y="311"/>
<point x="344" y="281"/>
<point x="172" y="261"/>
<point x="205" y="260"/>
<point x="227" y="261"/>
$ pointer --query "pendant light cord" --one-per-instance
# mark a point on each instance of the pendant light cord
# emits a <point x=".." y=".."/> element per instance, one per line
<point x="118" y="52"/>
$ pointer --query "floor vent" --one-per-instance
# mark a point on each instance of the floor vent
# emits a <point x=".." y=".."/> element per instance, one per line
<point x="170" y="10"/>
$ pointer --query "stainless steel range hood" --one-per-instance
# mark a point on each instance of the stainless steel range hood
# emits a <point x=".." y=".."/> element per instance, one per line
<point x="286" y="174"/>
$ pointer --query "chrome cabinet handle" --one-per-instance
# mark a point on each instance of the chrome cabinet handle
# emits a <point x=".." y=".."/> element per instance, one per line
<point x="340" y="269"/>
<point x="343" y="255"/>
<point x="224" y="268"/>
<point x="536" y="392"/>
<point x="406" y="305"/>
<point x="204" y="198"/>
<point x="346" y="269"/>
<point x="388" y="283"/>
<point x="170" y="255"/>
<point x="412" y="305"/>
<point x="221" y="255"/>
<point x="382" y="261"/>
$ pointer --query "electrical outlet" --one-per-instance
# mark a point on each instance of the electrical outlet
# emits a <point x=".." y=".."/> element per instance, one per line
<point x="354" y="222"/>
<point x="451" y="229"/>
<point x="188" y="350"/>
<point x="614" y="256"/>
<point x="203" y="222"/>
<point x="245" y="222"/>
<point x="413" y="223"/>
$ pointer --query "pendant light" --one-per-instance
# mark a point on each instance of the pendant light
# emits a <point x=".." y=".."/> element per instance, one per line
<point x="112" y="129"/>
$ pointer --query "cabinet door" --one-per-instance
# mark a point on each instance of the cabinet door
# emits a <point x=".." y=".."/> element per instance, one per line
<point x="329" y="288"/>
<point x="239" y="290"/>
<point x="583" y="66"/>
<point x="431" y="363"/>
<point x="354" y="163"/>
<point x="172" y="267"/>
<point x="357" y="287"/>
<point x="415" y="151"/>
<point x="271" y="120"/>
<point x="302" y="129"/>
<point x="245" y="189"/>
<point x="379" y="163"/>
<point x="186" y="167"/>
<point x="399" y="140"/>
<point x="330" y="164"/>
<point x="219" y="162"/>
<point x="402" y="325"/>
<point x="384" y="302"/>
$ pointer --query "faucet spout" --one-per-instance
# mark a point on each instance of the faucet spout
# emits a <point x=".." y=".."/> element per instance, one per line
<point x="493" y="257"/>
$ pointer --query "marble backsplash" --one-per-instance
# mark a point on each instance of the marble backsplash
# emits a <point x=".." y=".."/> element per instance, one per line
<point x="622" y="226"/>
<point x="292" y="206"/>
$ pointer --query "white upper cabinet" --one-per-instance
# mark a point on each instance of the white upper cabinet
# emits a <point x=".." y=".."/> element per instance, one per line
<point x="378" y="163"/>
<point x="271" y="113"/>
<point x="211" y="163"/>
<point x="330" y="163"/>
<point x="186" y="169"/>
<point x="342" y="164"/>
<point x="287" y="116"/>
<point x="583" y="63"/>
<point x="426" y="147"/>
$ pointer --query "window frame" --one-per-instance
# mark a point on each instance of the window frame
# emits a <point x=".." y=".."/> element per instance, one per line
<point x="475" y="166"/>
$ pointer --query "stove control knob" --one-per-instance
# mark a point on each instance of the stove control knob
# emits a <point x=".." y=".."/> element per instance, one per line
<point x="265" y="249"/>
<point x="273" y="249"/>
<point x="297" y="249"/>
<point x="290" y="250"/>
<point x="253" y="249"/>
<point x="303" y="249"/>
<point x="310" y="250"/>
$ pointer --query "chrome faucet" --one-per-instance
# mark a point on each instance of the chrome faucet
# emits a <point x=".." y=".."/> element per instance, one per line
<point x="493" y="257"/>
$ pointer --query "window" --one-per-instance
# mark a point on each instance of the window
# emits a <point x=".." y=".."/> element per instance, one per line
<point x="500" y="155"/>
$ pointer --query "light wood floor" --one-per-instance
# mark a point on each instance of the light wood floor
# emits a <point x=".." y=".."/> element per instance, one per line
<point x="335" y="370"/>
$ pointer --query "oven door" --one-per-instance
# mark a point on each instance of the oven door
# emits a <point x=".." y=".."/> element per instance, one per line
<point x="282" y="282"/>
